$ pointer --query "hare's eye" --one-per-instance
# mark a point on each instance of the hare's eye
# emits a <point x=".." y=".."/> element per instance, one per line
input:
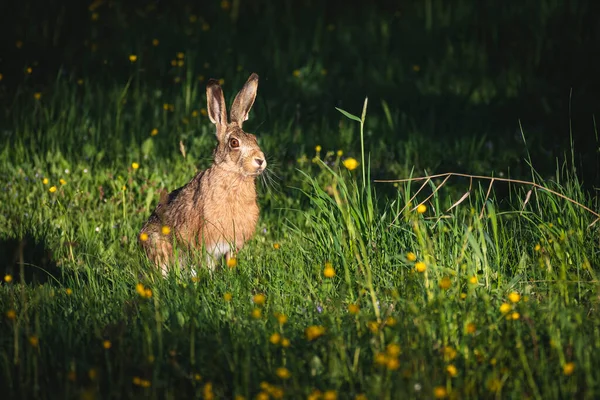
<point x="234" y="143"/>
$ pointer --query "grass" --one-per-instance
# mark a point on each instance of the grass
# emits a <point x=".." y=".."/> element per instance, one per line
<point x="348" y="288"/>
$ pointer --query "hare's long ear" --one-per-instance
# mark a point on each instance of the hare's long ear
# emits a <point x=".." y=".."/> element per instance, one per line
<point x="244" y="100"/>
<point x="215" y="104"/>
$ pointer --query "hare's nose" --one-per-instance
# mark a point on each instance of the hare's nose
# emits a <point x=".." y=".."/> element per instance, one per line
<point x="259" y="161"/>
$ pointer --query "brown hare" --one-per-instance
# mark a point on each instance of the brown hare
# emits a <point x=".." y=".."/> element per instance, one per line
<point x="216" y="210"/>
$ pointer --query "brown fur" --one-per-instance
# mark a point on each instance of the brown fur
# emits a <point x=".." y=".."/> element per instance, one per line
<point x="217" y="209"/>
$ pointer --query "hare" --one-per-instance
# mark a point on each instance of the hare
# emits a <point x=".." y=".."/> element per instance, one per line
<point x="217" y="210"/>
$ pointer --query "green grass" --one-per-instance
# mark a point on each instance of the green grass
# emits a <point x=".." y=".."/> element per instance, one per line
<point x="495" y="298"/>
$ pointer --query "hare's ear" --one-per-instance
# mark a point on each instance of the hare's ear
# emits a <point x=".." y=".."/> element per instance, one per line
<point x="244" y="100"/>
<point x="215" y="102"/>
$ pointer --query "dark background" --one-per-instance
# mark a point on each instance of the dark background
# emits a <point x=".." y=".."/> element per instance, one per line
<point x="450" y="72"/>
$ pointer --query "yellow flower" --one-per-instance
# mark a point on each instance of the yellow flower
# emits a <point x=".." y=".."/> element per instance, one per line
<point x="420" y="266"/>
<point x="69" y="291"/>
<point x="537" y="247"/>
<point x="314" y="395"/>
<point x="463" y="296"/>
<point x="285" y="342"/>
<point x="207" y="391"/>
<point x="360" y="396"/>
<point x="11" y="314"/>
<point x="393" y="350"/>
<point x="132" y="58"/>
<point x="323" y="71"/>
<point x="281" y="318"/>
<point x="143" y="236"/>
<point x="180" y="55"/>
<point x="197" y="377"/>
<point x="330" y="395"/>
<point x="145" y="383"/>
<point x="314" y="331"/>
<point x="505" y="308"/>
<point x="165" y="230"/>
<point x="353" y="308"/>
<point x="410" y="256"/>
<point x="445" y="283"/>
<point x="8" y="278"/>
<point x="1" y="76"/>
<point x="154" y="132"/>
<point x="147" y="293"/>
<point x="328" y="272"/>
<point x="29" y="70"/>
<point x="135" y="165"/>
<point x="276" y="246"/>
<point x="227" y="297"/>
<point x="262" y="396"/>
<point x="107" y="344"/>
<point x="514" y="297"/>
<point x="221" y="81"/>
<point x="139" y="288"/>
<point x="193" y="18"/>
<point x="422" y="208"/>
<point x="80" y="82"/>
<point x="473" y="280"/>
<point x="451" y="370"/>
<point x="52" y="189"/>
<point x="275" y="338"/>
<point x="259" y="299"/>
<point x="439" y="392"/>
<point x="318" y="148"/>
<point x="296" y="73"/>
<point x="392" y="364"/>
<point x="45" y="181"/>
<point x="471" y="328"/>
<point x="340" y="153"/>
<point x="350" y="163"/>
<point x="232" y="262"/>
<point x="569" y="368"/>
<point x="34" y="341"/>
<point x="283" y="373"/>
<point x="37" y="95"/>
<point x="155" y="42"/>
<point x="515" y="315"/>
<point x="449" y="353"/>
<point x="62" y="181"/>
<point x="194" y="113"/>
<point x="137" y="381"/>
<point x="373" y="326"/>
<point x="416" y="68"/>
<point x="256" y="313"/>
<point x="203" y="112"/>
<point x="380" y="359"/>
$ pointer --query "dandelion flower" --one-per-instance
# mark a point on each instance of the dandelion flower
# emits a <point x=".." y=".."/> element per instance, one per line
<point x="296" y="73"/>
<point x="231" y="262"/>
<point x="135" y="165"/>
<point x="154" y="132"/>
<point x="8" y="278"/>
<point x="52" y="189"/>
<point x="393" y="350"/>
<point x="143" y="236"/>
<point x="440" y="392"/>
<point x="451" y="370"/>
<point x="515" y="315"/>
<point x="132" y="58"/>
<point x="165" y="230"/>
<point x="373" y="326"/>
<point x="318" y="148"/>
<point x="155" y="42"/>
<point x="256" y="313"/>
<point x="473" y="280"/>
<point x="537" y="247"/>
<point x="420" y="266"/>
<point x="34" y="341"/>
<point x="313" y="332"/>
<point x="449" y="353"/>
<point x="221" y="81"/>
<point x="471" y="328"/>
<point x="147" y="293"/>
<point x="107" y="344"/>
<point x="275" y="338"/>
<point x="281" y="318"/>
<point x="139" y="288"/>
<point x="410" y="256"/>
<point x="276" y="246"/>
<point x="11" y="314"/>
<point x="37" y="95"/>
<point x="445" y="283"/>
<point x="330" y="395"/>
<point x="283" y="373"/>
<point x="329" y="272"/>
<point x="340" y="153"/>
<point x="45" y="181"/>
<point x="227" y="297"/>
<point x="390" y="321"/>
<point x="514" y="297"/>
<point x="360" y="396"/>
<point x="569" y="368"/>
<point x="421" y="208"/>
<point x="69" y="291"/>
<point x="225" y="5"/>
<point x="353" y="308"/>
<point x="505" y="308"/>
<point x="416" y="68"/>
<point x="350" y="163"/>
<point x="62" y="181"/>
<point x="285" y="342"/>
<point x="259" y="299"/>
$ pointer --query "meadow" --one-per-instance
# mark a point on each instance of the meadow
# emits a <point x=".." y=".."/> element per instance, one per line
<point x="364" y="279"/>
